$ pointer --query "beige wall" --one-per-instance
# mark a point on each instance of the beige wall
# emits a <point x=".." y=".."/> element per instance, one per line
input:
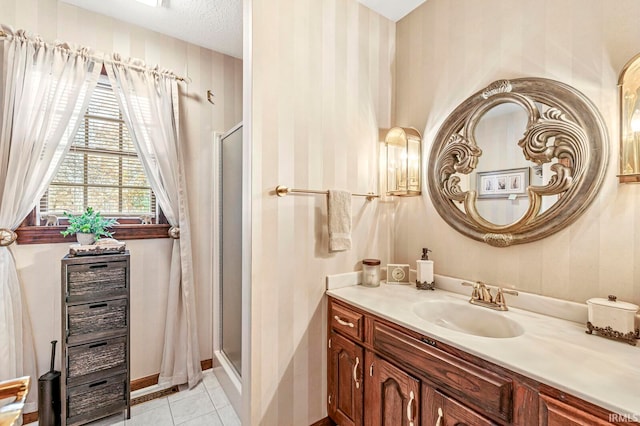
<point x="447" y="50"/>
<point x="321" y="76"/>
<point x="39" y="265"/>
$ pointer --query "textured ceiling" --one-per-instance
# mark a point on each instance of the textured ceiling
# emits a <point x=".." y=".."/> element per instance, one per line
<point x="214" y="24"/>
<point x="394" y="10"/>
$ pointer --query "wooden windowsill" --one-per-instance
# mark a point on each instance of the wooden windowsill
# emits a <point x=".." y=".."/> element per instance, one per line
<point x="51" y="234"/>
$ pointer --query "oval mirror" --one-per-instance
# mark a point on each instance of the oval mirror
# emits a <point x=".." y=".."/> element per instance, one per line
<point x="518" y="161"/>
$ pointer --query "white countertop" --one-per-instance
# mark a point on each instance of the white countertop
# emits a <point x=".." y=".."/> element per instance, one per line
<point x="553" y="351"/>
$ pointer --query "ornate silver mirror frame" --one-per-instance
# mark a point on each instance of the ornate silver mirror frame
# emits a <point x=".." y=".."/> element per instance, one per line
<point x="563" y="128"/>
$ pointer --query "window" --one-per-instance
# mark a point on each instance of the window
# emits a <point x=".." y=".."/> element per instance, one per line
<point x="102" y="169"/>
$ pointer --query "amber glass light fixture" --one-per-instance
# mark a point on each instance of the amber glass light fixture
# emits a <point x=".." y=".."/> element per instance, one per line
<point x="402" y="162"/>
<point x="629" y="86"/>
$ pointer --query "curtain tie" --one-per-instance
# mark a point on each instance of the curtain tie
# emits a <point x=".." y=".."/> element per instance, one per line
<point x="174" y="232"/>
<point x="7" y="237"/>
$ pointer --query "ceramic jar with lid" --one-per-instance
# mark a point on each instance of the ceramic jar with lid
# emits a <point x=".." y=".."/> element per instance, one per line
<point x="371" y="272"/>
<point x="620" y="316"/>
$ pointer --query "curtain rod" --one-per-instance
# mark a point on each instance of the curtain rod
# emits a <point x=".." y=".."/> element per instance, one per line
<point x="135" y="67"/>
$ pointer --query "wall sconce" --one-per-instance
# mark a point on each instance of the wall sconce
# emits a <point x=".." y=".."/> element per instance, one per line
<point x="401" y="161"/>
<point x="629" y="86"/>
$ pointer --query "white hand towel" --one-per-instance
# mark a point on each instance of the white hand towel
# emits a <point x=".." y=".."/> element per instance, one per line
<point x="339" y="222"/>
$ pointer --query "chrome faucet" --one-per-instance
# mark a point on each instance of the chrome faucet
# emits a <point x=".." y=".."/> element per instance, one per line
<point x="481" y="296"/>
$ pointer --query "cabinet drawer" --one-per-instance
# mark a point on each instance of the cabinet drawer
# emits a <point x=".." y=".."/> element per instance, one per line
<point x="97" y="398"/>
<point x="482" y="389"/>
<point x="98" y="320"/>
<point x="84" y="361"/>
<point x="96" y="280"/>
<point x="346" y="321"/>
<point x="557" y="413"/>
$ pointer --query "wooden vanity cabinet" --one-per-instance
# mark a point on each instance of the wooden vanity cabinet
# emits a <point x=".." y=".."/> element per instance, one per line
<point x="445" y="411"/>
<point x="479" y="388"/>
<point x="346" y="391"/>
<point x="558" y="408"/>
<point x="345" y="365"/>
<point x="558" y="413"/>
<point x="380" y="373"/>
<point x="392" y="395"/>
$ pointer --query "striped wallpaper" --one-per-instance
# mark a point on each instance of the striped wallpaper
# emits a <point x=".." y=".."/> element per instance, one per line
<point x="452" y="48"/>
<point x="321" y="77"/>
<point x="39" y="264"/>
<point x="325" y="75"/>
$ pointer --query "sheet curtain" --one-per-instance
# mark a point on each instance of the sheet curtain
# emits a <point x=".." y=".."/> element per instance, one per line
<point x="44" y="89"/>
<point x="149" y="103"/>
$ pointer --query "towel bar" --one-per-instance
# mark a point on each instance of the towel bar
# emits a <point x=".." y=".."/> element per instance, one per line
<point x="282" y="190"/>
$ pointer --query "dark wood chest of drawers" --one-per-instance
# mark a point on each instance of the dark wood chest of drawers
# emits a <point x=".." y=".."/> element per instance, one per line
<point x="95" y="337"/>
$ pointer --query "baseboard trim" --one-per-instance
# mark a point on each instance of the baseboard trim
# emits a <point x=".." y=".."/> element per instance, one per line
<point x="207" y="364"/>
<point x="30" y="417"/>
<point x="137" y="384"/>
<point x="145" y="382"/>
<point x="324" y="422"/>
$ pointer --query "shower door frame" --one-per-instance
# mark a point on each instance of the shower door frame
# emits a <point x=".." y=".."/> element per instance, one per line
<point x="218" y="353"/>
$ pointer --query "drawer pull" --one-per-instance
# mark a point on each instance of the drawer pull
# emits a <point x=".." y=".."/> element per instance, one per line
<point x="343" y="322"/>
<point x="98" y="305"/>
<point x="410" y="414"/>
<point x="355" y="373"/>
<point x="102" y="382"/>
<point x="97" y="345"/>
<point x="102" y="265"/>
<point x="440" y="417"/>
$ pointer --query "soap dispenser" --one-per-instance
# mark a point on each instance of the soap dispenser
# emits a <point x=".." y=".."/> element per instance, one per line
<point x="424" y="272"/>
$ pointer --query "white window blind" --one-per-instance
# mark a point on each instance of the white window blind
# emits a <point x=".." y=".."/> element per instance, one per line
<point x="102" y="169"/>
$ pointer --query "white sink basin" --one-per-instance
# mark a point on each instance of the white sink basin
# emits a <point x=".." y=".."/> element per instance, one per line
<point x="466" y="318"/>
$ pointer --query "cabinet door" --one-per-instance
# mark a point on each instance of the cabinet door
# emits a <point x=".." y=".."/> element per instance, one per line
<point x="557" y="413"/>
<point x="440" y="410"/>
<point x="345" y="381"/>
<point x="393" y="396"/>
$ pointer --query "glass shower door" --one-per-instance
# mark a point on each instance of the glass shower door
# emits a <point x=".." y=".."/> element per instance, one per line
<point x="231" y="246"/>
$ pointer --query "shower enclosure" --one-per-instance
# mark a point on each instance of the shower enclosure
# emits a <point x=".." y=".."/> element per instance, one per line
<point x="231" y="246"/>
<point x="228" y="207"/>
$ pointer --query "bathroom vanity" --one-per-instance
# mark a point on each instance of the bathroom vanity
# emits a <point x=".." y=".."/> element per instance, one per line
<point x="390" y="362"/>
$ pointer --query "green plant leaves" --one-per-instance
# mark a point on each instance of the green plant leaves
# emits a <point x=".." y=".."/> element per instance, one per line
<point x="89" y="222"/>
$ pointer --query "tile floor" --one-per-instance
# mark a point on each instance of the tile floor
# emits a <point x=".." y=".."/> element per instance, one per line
<point x="204" y="405"/>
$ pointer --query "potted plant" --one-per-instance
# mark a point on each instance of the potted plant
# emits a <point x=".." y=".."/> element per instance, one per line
<point x="89" y="226"/>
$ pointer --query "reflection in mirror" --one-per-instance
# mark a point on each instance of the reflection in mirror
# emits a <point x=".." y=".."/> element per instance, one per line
<point x="517" y="161"/>
<point x="502" y="193"/>
<point x="498" y="133"/>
